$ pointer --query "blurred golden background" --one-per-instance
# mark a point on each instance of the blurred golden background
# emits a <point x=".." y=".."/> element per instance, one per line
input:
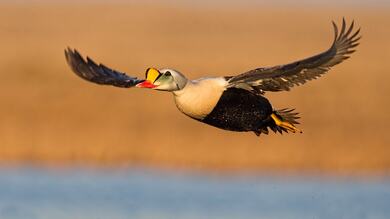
<point x="50" y="116"/>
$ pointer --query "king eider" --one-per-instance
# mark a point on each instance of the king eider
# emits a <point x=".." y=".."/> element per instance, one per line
<point x="234" y="103"/>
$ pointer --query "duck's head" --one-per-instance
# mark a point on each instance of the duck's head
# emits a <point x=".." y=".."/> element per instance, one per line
<point x="163" y="79"/>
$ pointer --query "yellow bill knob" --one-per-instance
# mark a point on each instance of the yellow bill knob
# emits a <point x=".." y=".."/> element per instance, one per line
<point x="152" y="74"/>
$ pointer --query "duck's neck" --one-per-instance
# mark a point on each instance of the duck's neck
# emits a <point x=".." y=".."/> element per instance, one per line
<point x="188" y="84"/>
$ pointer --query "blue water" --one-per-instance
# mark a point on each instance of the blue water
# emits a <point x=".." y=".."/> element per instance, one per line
<point x="38" y="193"/>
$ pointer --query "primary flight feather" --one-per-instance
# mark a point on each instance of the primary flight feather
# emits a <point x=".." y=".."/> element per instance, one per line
<point x="235" y="103"/>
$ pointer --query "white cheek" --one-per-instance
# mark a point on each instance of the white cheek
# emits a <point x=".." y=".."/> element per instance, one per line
<point x="168" y="87"/>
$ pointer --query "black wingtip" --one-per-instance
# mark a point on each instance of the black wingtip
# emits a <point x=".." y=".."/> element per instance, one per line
<point x="67" y="50"/>
<point x="336" y="31"/>
<point x="346" y="35"/>
<point x="89" y="70"/>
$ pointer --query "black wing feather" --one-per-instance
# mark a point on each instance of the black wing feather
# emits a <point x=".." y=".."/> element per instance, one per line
<point x="97" y="73"/>
<point x="283" y="77"/>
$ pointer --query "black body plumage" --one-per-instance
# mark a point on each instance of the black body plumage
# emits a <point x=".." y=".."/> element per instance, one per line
<point x="240" y="110"/>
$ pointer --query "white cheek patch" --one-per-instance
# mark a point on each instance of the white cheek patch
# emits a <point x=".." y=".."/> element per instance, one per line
<point x="165" y="87"/>
<point x="167" y="84"/>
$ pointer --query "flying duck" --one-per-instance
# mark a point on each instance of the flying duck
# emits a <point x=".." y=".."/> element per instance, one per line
<point x="234" y="103"/>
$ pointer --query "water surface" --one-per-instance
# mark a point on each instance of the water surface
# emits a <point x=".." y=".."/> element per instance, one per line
<point x="144" y="193"/>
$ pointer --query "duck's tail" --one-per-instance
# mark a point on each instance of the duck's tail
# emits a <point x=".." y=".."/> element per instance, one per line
<point x="283" y="120"/>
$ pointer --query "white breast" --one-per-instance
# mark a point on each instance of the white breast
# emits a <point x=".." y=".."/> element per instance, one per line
<point x="198" y="98"/>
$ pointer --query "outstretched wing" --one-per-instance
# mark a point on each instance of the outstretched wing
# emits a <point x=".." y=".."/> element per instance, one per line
<point x="99" y="74"/>
<point x="283" y="77"/>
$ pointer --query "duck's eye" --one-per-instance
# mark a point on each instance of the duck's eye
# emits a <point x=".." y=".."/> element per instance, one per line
<point x="168" y="73"/>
